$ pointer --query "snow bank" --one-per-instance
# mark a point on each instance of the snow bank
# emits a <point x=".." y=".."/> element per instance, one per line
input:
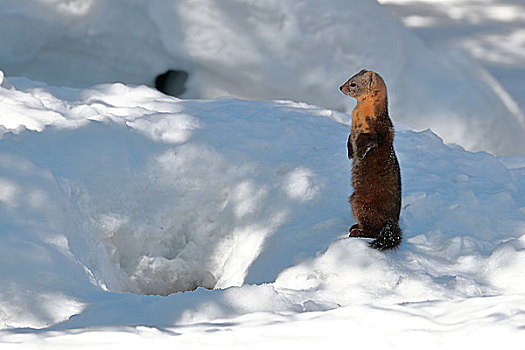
<point x="299" y="51"/>
<point x="147" y="210"/>
<point x="119" y="188"/>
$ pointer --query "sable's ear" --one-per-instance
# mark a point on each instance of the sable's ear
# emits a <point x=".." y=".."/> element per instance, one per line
<point x="372" y="80"/>
<point x="375" y="82"/>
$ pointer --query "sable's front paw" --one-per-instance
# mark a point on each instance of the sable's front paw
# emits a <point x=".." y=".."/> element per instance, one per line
<point x="369" y="148"/>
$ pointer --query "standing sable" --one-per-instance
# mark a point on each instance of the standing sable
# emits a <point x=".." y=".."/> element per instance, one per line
<point x="376" y="201"/>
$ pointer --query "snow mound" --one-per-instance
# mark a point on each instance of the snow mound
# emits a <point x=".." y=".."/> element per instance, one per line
<point x="150" y="212"/>
<point x="299" y="50"/>
<point x="120" y="188"/>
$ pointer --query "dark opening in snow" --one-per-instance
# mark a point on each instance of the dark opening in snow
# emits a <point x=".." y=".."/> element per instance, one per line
<point x="172" y="82"/>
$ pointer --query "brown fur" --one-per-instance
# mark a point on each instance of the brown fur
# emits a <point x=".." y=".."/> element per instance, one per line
<point x="376" y="179"/>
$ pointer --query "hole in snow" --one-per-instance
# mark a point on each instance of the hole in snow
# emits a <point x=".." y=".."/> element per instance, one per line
<point x="172" y="82"/>
<point x="192" y="218"/>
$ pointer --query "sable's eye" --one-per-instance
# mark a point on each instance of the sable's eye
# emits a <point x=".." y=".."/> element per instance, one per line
<point x="353" y="84"/>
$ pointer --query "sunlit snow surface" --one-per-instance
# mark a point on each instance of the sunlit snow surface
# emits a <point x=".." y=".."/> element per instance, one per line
<point x="266" y="50"/>
<point x="119" y="188"/>
<point x="491" y="31"/>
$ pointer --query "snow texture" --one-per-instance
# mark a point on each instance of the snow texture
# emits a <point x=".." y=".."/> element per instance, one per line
<point x="295" y="50"/>
<point x="114" y="192"/>
<point x="490" y="31"/>
<point x="133" y="219"/>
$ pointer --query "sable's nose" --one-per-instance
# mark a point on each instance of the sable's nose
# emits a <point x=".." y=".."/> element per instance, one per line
<point x="341" y="87"/>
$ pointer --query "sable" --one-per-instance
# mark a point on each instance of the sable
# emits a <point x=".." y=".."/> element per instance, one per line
<point x="376" y="179"/>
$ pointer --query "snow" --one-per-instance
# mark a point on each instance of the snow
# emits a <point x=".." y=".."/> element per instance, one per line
<point x="300" y="51"/>
<point x="127" y="196"/>
<point x="132" y="219"/>
<point x="488" y="30"/>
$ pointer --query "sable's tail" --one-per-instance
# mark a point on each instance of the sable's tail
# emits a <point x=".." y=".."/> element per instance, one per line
<point x="389" y="237"/>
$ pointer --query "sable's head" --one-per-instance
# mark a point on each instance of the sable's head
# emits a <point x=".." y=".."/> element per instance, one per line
<point x="363" y="83"/>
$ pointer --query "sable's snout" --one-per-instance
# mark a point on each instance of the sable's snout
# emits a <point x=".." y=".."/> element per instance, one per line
<point x="345" y="89"/>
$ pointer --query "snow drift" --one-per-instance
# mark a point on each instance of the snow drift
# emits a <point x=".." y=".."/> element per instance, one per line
<point x="299" y="50"/>
<point x="120" y="188"/>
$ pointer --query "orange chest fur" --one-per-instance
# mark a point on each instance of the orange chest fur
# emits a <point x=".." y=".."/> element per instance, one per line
<point x="362" y="115"/>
